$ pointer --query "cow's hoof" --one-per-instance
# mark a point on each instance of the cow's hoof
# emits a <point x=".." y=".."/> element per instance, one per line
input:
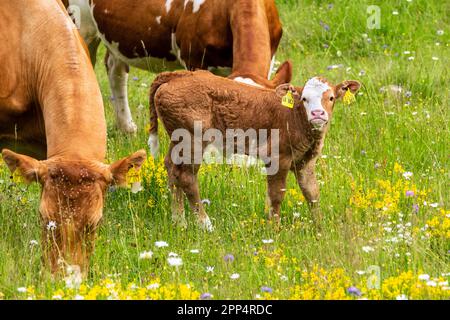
<point x="129" y="128"/>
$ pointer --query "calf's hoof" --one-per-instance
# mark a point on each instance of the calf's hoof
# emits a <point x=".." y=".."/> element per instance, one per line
<point x="206" y="225"/>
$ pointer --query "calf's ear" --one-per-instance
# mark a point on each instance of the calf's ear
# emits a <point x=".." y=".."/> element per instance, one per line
<point x="119" y="169"/>
<point x="351" y="85"/>
<point x="29" y="168"/>
<point x="283" y="89"/>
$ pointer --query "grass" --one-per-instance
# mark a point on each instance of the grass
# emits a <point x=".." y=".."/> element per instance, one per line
<point x="363" y="192"/>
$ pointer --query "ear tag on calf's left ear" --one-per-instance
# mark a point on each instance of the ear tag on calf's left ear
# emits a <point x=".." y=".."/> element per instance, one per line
<point x="288" y="100"/>
<point x="349" y="97"/>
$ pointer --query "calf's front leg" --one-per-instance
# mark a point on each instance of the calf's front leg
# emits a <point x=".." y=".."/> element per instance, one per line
<point x="307" y="181"/>
<point x="276" y="188"/>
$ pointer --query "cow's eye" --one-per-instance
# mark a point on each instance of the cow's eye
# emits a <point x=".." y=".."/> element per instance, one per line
<point x="331" y="98"/>
<point x="304" y="99"/>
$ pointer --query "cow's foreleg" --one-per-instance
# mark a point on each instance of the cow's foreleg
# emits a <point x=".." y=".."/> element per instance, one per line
<point x="118" y="79"/>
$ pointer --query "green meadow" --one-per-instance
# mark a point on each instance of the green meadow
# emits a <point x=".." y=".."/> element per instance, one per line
<point x="384" y="180"/>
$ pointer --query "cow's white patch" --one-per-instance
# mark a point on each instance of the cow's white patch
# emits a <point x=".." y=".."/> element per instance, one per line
<point x="197" y="4"/>
<point x="247" y="81"/>
<point x="158" y="19"/>
<point x="176" y="50"/>
<point x="153" y="144"/>
<point x="168" y="5"/>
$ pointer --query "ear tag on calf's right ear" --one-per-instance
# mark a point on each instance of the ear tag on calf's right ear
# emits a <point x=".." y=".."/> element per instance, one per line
<point x="288" y="100"/>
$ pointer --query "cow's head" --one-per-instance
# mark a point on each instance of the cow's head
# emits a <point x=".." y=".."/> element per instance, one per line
<point x="318" y="97"/>
<point x="72" y="199"/>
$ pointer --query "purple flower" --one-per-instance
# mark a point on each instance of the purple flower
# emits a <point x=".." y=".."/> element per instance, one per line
<point x="415" y="208"/>
<point x="409" y="193"/>
<point x="266" y="289"/>
<point x="325" y="26"/>
<point x="408" y="94"/>
<point x="377" y="165"/>
<point x="135" y="78"/>
<point x="206" y="296"/>
<point x="228" y="258"/>
<point x="326" y="46"/>
<point x="354" y="290"/>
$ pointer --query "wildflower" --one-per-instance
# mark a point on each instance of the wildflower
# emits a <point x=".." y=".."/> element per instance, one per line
<point x="136" y="187"/>
<point x="409" y="193"/>
<point x="175" y="262"/>
<point x="407" y="175"/>
<point x="74" y="277"/>
<point x="395" y="13"/>
<point x="235" y="276"/>
<point x="325" y="26"/>
<point x="362" y="73"/>
<point x="408" y="94"/>
<point x="206" y="296"/>
<point x="354" y="291"/>
<point x="22" y="289"/>
<point x="78" y="297"/>
<point x="195" y="251"/>
<point x="284" y="278"/>
<point x="209" y="269"/>
<point x="57" y="297"/>
<point x="415" y="208"/>
<point x="434" y="205"/>
<point x="435" y="58"/>
<point x="424" y="277"/>
<point x="161" y="244"/>
<point x="440" y="32"/>
<point x="51" y="225"/>
<point x="135" y="78"/>
<point x="443" y="283"/>
<point x="334" y="66"/>
<point x="296" y="215"/>
<point x="368" y="249"/>
<point x="266" y="289"/>
<point x="431" y="283"/>
<point x="411" y="58"/>
<point x="401" y="297"/>
<point x="146" y="255"/>
<point x="228" y="258"/>
<point x="33" y="243"/>
<point x="267" y="241"/>
<point x="153" y="286"/>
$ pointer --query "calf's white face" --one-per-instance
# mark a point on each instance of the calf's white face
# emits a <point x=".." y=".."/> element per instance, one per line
<point x="313" y="96"/>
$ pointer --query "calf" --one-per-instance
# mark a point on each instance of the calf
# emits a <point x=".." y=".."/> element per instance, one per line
<point x="181" y="99"/>
<point x="51" y="109"/>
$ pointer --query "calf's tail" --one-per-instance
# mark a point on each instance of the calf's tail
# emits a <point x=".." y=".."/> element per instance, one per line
<point x="162" y="78"/>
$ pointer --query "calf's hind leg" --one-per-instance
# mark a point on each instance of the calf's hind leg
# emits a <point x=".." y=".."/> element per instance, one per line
<point x="186" y="176"/>
<point x="177" y="196"/>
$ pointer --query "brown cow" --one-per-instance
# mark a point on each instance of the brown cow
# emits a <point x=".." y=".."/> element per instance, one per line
<point x="197" y="102"/>
<point x="159" y="35"/>
<point x="51" y="108"/>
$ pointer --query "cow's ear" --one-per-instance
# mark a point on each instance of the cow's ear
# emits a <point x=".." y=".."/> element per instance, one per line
<point x="351" y="85"/>
<point x="119" y="169"/>
<point x="29" y="168"/>
<point x="283" y="75"/>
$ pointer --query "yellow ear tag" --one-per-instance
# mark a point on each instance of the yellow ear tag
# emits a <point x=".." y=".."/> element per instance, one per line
<point x="349" y="97"/>
<point x="288" y="100"/>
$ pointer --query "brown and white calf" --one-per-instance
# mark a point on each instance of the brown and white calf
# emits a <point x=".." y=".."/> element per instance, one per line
<point x="162" y="35"/>
<point x="51" y="109"/>
<point x="180" y="99"/>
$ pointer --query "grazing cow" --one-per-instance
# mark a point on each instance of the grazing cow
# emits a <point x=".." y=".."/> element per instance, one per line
<point x="51" y="109"/>
<point x="180" y="99"/>
<point x="161" y="35"/>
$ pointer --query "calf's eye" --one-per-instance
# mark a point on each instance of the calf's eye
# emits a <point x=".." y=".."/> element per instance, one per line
<point x="331" y="98"/>
<point x="304" y="99"/>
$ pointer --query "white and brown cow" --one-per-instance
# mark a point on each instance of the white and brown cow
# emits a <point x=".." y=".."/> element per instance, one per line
<point x="51" y="110"/>
<point x="158" y="35"/>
